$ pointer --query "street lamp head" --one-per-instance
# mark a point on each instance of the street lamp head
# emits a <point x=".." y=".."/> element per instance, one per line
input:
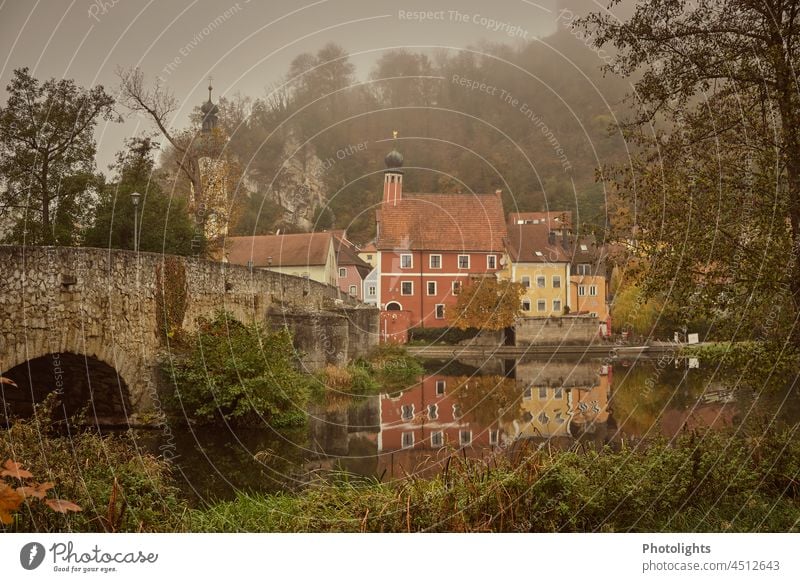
<point x="135" y="196"/>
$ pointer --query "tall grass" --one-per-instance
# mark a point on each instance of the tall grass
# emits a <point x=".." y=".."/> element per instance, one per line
<point x="701" y="482"/>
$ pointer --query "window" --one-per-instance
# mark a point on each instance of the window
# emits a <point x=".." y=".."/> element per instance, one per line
<point x="527" y="394"/>
<point x="559" y="418"/>
<point x="435" y="261"/>
<point x="526" y="282"/>
<point x="584" y="269"/>
<point x="543" y="418"/>
<point x="465" y="437"/>
<point x="456" y="287"/>
<point x="463" y="261"/>
<point x="558" y="393"/>
<point x="372" y="291"/>
<point x="542" y="392"/>
<point x="408" y="440"/>
<point x="437" y="439"/>
<point x="541" y="305"/>
<point x="581" y="290"/>
<point x="407" y="288"/>
<point x="433" y="411"/>
<point x="556" y="282"/>
<point x="539" y="254"/>
<point x="369" y="257"/>
<point x="342" y="272"/>
<point x="593" y="290"/>
<point x="440" y="386"/>
<point x="491" y="261"/>
<point x="557" y="305"/>
<point x="456" y="411"/>
<point x="540" y="281"/>
<point x="584" y="248"/>
<point x="431" y="287"/>
<point x="494" y="436"/>
<point x="526" y="305"/>
<point x="406" y="262"/>
<point x="407" y="412"/>
<point x="439" y="311"/>
<point x="353" y="290"/>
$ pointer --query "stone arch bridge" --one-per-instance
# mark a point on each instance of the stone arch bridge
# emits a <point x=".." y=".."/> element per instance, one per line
<point x="88" y="322"/>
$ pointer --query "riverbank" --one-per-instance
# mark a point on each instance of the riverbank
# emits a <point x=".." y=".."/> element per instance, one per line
<point x="600" y="350"/>
<point x="700" y="482"/>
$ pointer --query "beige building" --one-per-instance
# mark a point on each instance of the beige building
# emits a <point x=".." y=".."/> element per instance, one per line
<point x="369" y="254"/>
<point x="310" y="255"/>
<point x="588" y="280"/>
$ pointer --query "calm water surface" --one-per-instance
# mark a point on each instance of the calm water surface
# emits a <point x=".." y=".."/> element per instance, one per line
<point x="474" y="410"/>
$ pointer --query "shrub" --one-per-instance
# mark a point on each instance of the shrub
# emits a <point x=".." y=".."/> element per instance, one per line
<point x="238" y="373"/>
<point x="118" y="487"/>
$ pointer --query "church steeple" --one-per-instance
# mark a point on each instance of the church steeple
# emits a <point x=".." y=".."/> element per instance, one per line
<point x="393" y="176"/>
<point x="209" y="111"/>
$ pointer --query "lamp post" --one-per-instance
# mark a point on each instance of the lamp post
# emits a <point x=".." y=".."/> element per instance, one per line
<point x="135" y="196"/>
<point x="269" y="263"/>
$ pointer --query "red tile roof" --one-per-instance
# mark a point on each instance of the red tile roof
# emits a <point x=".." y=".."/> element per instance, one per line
<point x="442" y="222"/>
<point x="286" y="250"/>
<point x="347" y="254"/>
<point x="526" y="240"/>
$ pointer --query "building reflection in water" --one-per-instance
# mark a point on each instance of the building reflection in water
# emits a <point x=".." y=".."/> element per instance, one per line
<point x="479" y="414"/>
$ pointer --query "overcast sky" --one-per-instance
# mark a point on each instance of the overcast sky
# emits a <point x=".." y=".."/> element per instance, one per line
<point x="245" y="45"/>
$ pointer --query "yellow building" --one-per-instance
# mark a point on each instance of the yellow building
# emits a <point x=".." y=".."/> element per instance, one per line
<point x="588" y="281"/>
<point x="368" y="253"/>
<point x="539" y="259"/>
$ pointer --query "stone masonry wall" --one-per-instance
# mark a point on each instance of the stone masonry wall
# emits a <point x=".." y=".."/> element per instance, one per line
<point x="550" y="331"/>
<point x="102" y="303"/>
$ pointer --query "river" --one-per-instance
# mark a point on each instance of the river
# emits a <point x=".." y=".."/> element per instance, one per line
<point x="472" y="409"/>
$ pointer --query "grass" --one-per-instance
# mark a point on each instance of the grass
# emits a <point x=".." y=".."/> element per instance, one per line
<point x="707" y="482"/>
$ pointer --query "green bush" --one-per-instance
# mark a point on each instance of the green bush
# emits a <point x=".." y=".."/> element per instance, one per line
<point x="118" y="487"/>
<point x="238" y="373"/>
<point x="393" y="368"/>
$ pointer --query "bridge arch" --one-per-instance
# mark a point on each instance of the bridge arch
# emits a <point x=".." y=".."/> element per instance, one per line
<point x="79" y="380"/>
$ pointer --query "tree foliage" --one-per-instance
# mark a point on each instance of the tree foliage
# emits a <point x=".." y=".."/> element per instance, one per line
<point x="713" y="198"/>
<point x="487" y="303"/>
<point x="164" y="222"/>
<point x="47" y="151"/>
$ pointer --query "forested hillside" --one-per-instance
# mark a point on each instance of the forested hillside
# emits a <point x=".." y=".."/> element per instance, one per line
<point x="531" y="119"/>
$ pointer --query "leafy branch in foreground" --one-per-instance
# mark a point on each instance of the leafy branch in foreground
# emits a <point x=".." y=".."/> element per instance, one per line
<point x="18" y="487"/>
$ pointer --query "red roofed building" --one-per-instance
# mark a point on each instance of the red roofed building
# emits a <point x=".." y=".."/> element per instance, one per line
<point x="351" y="269"/>
<point x="429" y="245"/>
<point x="310" y="255"/>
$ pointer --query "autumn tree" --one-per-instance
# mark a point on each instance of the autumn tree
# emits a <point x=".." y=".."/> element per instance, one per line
<point x="47" y="150"/>
<point x="714" y="192"/>
<point x="159" y="104"/>
<point x="487" y="303"/>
